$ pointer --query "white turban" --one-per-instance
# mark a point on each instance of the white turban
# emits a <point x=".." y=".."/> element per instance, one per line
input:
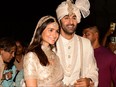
<point x="79" y="7"/>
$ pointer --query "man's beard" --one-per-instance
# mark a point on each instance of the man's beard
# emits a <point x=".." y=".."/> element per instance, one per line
<point x="68" y="32"/>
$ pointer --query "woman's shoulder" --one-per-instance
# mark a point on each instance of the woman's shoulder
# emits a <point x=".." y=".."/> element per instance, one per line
<point x="30" y="55"/>
<point x="84" y="40"/>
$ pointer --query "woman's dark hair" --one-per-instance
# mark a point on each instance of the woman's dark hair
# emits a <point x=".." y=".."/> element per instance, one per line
<point x="6" y="43"/>
<point x="36" y="45"/>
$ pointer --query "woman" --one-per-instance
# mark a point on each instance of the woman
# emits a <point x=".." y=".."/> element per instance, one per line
<point x="19" y="62"/>
<point x="41" y="65"/>
<point x="7" y="50"/>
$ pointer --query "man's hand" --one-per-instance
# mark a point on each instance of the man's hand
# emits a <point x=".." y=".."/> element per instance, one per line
<point x="84" y="82"/>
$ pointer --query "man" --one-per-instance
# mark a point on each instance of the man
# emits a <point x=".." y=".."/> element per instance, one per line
<point x="109" y="39"/>
<point x="105" y="59"/>
<point x="75" y="52"/>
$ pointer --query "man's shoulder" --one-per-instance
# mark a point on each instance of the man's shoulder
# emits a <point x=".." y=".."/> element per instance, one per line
<point x="83" y="39"/>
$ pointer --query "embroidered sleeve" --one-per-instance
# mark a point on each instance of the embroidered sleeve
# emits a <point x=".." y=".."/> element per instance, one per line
<point x="30" y="66"/>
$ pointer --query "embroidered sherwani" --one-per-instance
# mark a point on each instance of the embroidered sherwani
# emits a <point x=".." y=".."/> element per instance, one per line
<point x="77" y="59"/>
<point x="47" y="76"/>
<point x="2" y="65"/>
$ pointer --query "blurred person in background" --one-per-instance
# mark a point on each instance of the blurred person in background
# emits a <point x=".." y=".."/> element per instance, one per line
<point x="20" y="51"/>
<point x="7" y="52"/>
<point x="105" y="58"/>
<point x="109" y="40"/>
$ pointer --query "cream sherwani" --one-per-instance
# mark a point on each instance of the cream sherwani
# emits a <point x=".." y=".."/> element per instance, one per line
<point x="77" y="59"/>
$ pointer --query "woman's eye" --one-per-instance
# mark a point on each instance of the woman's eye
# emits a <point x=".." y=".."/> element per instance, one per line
<point x="50" y="30"/>
<point x="58" y="31"/>
<point x="11" y="52"/>
<point x="66" y="18"/>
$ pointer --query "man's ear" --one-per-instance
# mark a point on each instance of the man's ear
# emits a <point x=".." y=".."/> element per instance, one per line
<point x="97" y="35"/>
